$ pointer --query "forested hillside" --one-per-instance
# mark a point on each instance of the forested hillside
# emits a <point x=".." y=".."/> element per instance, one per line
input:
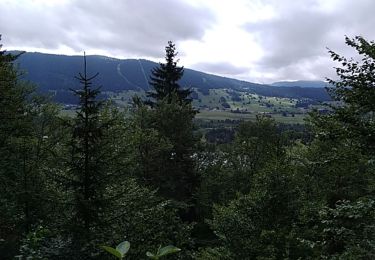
<point x="104" y="183"/>
<point x="55" y="74"/>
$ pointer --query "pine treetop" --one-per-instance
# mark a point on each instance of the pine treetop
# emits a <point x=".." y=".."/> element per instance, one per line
<point x="165" y="78"/>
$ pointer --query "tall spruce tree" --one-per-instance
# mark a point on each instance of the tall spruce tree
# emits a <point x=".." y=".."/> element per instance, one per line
<point x="85" y="179"/>
<point x="172" y="116"/>
<point x="22" y="156"/>
<point x="165" y="78"/>
<point x="12" y="115"/>
<point x="173" y="121"/>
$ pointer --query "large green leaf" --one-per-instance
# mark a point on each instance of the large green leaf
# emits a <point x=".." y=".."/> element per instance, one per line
<point x="112" y="251"/>
<point x="151" y="255"/>
<point x="168" y="250"/>
<point x="123" y="248"/>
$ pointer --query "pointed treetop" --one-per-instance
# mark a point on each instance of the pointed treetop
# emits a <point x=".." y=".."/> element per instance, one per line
<point x="165" y="78"/>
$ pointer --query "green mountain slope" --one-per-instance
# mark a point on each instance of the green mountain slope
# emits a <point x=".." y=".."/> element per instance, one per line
<point x="55" y="73"/>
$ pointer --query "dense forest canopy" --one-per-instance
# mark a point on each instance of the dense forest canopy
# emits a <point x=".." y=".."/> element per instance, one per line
<point x="148" y="181"/>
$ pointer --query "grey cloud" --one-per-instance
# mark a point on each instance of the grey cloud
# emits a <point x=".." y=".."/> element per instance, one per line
<point x="302" y="30"/>
<point x="136" y="27"/>
<point x="223" y="68"/>
<point x="293" y="38"/>
<point x="318" y="69"/>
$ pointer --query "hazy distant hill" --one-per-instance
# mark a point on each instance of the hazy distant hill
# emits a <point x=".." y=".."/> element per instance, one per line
<point x="56" y="73"/>
<point x="301" y="83"/>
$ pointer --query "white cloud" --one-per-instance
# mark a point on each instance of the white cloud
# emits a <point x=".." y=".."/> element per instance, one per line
<point x="117" y="27"/>
<point x="257" y="40"/>
<point x="297" y="37"/>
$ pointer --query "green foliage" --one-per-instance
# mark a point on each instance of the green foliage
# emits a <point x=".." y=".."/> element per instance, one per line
<point x="163" y="251"/>
<point x="348" y="230"/>
<point x="217" y="253"/>
<point x="165" y="78"/>
<point x="173" y="121"/>
<point x="256" y="143"/>
<point x="171" y="117"/>
<point x="26" y="121"/>
<point x="343" y="232"/>
<point x="355" y="88"/>
<point x="164" y="145"/>
<point x="71" y="184"/>
<point x="144" y="219"/>
<point x="261" y="224"/>
<point x="123" y="247"/>
<point x="101" y="201"/>
<point x="120" y="251"/>
<point x="230" y="170"/>
<point x="149" y="147"/>
<point x="86" y="179"/>
<point x="337" y="168"/>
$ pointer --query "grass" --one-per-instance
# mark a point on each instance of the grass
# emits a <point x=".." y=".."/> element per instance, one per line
<point x="211" y="108"/>
<point x="247" y="102"/>
<point x="222" y="115"/>
<point x="68" y="113"/>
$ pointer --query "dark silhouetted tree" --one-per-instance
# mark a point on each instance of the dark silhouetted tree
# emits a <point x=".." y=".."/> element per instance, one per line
<point x="24" y="122"/>
<point x="172" y="118"/>
<point x="85" y="178"/>
<point x="165" y="78"/>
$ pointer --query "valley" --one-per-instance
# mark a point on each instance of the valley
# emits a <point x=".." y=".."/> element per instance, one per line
<point x="216" y="97"/>
<point x="222" y="104"/>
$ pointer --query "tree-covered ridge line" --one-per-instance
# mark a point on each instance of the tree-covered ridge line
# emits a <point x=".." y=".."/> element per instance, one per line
<point x="262" y="190"/>
<point x="54" y="73"/>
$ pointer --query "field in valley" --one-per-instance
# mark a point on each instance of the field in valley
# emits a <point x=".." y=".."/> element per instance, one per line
<point x="222" y="104"/>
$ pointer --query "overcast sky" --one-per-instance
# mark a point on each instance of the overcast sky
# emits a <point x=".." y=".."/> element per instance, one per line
<point x="256" y="40"/>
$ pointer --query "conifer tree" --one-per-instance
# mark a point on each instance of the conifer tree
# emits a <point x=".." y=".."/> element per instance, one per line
<point x="165" y="78"/>
<point x="22" y="155"/>
<point x="172" y="116"/>
<point x="174" y="122"/>
<point x="12" y="108"/>
<point x="86" y="179"/>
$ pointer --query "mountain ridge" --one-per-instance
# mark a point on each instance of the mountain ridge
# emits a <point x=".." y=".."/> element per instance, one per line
<point x="55" y="72"/>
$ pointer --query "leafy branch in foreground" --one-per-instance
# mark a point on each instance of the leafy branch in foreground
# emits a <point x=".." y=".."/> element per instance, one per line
<point x="122" y="249"/>
<point x="167" y="250"/>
